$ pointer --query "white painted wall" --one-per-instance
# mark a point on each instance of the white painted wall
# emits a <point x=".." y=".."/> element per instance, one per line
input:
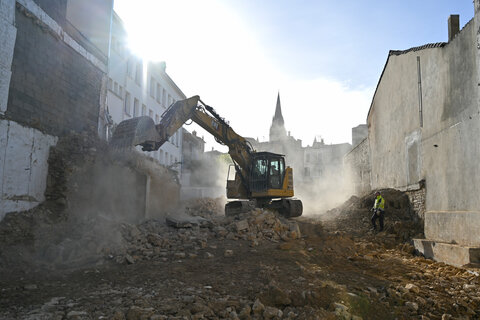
<point x="23" y="166"/>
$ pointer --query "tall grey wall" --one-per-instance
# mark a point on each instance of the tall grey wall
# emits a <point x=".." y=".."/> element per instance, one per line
<point x="357" y="162"/>
<point x="444" y="151"/>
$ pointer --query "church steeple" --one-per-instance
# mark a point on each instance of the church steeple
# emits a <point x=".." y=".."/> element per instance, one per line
<point x="278" y="118"/>
<point x="277" y="129"/>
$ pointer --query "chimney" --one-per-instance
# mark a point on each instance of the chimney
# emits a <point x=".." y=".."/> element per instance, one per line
<point x="453" y="26"/>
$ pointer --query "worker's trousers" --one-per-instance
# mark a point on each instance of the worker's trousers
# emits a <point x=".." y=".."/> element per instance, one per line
<point x="378" y="214"/>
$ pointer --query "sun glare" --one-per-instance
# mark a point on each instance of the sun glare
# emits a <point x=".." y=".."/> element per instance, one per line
<point x="174" y="30"/>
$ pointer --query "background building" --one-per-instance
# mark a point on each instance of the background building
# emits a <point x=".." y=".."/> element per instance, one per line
<point x="140" y="88"/>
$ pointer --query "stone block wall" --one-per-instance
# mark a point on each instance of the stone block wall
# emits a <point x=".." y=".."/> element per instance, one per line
<point x="52" y="88"/>
<point x="417" y="201"/>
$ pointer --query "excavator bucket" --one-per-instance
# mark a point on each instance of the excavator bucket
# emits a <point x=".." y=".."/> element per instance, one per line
<point x="134" y="132"/>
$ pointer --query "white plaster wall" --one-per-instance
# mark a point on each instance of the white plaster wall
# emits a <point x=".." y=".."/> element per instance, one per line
<point x="23" y="166"/>
<point x="446" y="150"/>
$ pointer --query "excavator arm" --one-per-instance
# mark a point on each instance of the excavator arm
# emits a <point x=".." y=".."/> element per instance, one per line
<point x="143" y="131"/>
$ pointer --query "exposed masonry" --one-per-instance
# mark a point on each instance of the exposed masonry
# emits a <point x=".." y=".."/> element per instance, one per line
<point x="417" y="201"/>
<point x="52" y="88"/>
<point x="56" y="30"/>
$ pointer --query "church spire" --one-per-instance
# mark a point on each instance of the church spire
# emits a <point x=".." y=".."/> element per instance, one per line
<point x="278" y="118"/>
<point x="277" y="129"/>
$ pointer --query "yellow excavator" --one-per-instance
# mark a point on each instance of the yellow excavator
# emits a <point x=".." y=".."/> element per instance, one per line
<point x="262" y="179"/>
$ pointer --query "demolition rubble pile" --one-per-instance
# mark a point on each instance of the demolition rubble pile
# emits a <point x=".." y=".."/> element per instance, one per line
<point x="354" y="216"/>
<point x="188" y="236"/>
<point x="91" y="188"/>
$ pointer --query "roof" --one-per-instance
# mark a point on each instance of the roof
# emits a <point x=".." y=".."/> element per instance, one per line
<point x="398" y="53"/>
<point x="266" y="153"/>
<point x="425" y="46"/>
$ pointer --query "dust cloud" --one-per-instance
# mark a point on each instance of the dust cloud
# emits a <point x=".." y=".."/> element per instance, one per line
<point x="328" y="191"/>
<point x="94" y="195"/>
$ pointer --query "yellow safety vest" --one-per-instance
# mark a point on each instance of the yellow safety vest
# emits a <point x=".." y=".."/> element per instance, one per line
<point x="379" y="203"/>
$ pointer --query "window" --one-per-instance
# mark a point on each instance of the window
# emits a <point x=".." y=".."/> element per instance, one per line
<point x="127" y="103"/>
<point x="144" y="110"/>
<point x="152" y="87"/>
<point x="158" y="92"/>
<point x="166" y="158"/>
<point x="115" y="87"/>
<point x="150" y="113"/>
<point x="138" y="73"/>
<point x="110" y="83"/>
<point x="120" y="91"/>
<point x="161" y="156"/>
<point x="157" y="118"/>
<point x="136" y="105"/>
<point x="171" y="159"/>
<point x="130" y="67"/>
<point x="275" y="174"/>
<point x="164" y="97"/>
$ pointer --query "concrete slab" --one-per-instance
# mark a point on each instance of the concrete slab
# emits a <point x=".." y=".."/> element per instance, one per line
<point x="460" y="227"/>
<point x="448" y="253"/>
<point x="184" y="221"/>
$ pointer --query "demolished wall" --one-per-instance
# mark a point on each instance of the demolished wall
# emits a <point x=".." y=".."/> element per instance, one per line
<point x="49" y="85"/>
<point x="91" y="191"/>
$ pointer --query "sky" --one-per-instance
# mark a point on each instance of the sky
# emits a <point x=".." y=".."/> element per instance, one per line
<point x="324" y="57"/>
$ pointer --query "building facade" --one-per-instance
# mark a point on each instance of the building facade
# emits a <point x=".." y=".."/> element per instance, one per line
<point x="423" y="126"/>
<point x="139" y="88"/>
<point x="53" y="67"/>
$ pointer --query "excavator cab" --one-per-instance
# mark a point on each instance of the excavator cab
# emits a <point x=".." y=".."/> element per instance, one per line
<point x="268" y="172"/>
<point x="270" y="185"/>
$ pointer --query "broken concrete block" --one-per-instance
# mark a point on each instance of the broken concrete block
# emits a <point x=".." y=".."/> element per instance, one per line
<point x="184" y="221"/>
<point x="241" y="225"/>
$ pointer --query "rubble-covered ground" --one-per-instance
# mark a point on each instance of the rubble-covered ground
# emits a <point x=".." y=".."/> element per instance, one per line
<point x="254" y="266"/>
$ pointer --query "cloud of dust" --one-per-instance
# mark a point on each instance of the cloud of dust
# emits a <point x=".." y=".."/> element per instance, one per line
<point x="104" y="194"/>
<point x="326" y="192"/>
<point x="322" y="192"/>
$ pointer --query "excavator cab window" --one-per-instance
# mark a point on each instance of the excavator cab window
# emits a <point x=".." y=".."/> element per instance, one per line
<point x="267" y="172"/>
<point x="277" y="169"/>
<point x="259" y="174"/>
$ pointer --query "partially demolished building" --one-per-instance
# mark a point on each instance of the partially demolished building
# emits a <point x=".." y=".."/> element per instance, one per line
<point x="53" y="65"/>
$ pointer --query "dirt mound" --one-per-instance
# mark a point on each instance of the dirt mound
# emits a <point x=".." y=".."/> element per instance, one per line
<point x="354" y="216"/>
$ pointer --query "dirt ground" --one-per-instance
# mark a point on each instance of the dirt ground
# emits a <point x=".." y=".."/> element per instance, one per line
<point x="255" y="266"/>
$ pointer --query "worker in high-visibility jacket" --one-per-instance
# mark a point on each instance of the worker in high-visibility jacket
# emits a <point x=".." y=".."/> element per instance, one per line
<point x="378" y="211"/>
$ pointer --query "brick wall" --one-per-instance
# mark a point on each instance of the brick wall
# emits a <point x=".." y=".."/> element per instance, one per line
<point x="52" y="88"/>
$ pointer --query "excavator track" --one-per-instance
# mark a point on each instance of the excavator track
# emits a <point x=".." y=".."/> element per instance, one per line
<point x="288" y="208"/>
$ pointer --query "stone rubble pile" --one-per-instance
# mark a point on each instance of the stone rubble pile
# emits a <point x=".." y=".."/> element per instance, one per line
<point x="186" y="237"/>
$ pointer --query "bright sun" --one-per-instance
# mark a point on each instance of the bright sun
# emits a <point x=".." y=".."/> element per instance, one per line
<point x="176" y="30"/>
